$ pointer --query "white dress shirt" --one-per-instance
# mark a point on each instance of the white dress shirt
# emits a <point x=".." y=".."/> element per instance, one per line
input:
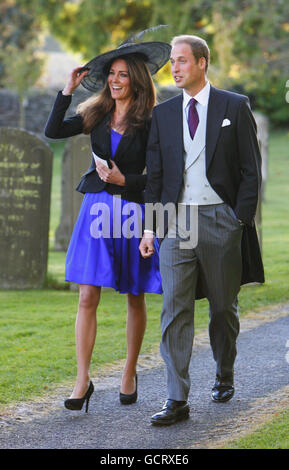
<point x="196" y="187"/>
<point x="202" y="99"/>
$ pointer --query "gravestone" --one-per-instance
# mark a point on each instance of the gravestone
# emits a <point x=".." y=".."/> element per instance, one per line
<point x="76" y="160"/>
<point x="25" y="184"/>
<point x="262" y="123"/>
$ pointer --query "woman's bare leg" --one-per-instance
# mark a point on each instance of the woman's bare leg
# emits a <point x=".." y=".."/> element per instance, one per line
<point x="85" y="334"/>
<point x="135" y="329"/>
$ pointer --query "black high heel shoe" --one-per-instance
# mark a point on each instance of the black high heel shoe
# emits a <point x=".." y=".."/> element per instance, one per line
<point x="77" y="403"/>
<point x="131" y="398"/>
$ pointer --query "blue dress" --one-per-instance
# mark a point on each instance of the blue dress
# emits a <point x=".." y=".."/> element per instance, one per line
<point x="104" y="246"/>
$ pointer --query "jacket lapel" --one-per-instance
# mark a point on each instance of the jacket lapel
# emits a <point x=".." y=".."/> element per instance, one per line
<point x="124" y="143"/>
<point x="216" y="111"/>
<point x="101" y="139"/>
<point x="101" y="144"/>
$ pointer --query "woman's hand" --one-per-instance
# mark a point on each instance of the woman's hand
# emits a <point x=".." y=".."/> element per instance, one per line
<point x="146" y="246"/>
<point x="74" y="80"/>
<point x="112" y="175"/>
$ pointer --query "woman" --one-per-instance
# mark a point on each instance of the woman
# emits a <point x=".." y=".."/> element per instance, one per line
<point x="118" y="123"/>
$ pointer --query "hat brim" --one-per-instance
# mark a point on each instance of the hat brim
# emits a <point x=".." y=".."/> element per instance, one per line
<point x="155" y="54"/>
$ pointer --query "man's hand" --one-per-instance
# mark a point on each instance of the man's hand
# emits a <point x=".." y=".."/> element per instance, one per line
<point x="146" y="246"/>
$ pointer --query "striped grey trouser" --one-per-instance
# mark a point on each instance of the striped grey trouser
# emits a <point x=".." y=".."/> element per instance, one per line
<point x="217" y="259"/>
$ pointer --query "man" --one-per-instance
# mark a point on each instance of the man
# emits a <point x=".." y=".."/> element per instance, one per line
<point x="203" y="152"/>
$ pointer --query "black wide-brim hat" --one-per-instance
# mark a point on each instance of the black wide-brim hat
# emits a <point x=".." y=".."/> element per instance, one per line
<point x="155" y="54"/>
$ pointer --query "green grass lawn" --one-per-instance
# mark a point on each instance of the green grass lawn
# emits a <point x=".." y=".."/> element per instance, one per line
<point x="37" y="338"/>
<point x="37" y="326"/>
<point x="273" y="435"/>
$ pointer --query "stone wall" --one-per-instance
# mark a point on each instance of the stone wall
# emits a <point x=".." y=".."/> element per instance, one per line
<point x="37" y="107"/>
<point x="9" y="109"/>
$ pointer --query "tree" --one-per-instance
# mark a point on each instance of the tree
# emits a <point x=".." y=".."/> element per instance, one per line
<point x="20" y="61"/>
<point x="90" y="27"/>
<point x="21" y="73"/>
<point x="254" y="56"/>
<point x="248" y="38"/>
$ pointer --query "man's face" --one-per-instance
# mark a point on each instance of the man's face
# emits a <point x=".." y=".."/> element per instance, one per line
<point x="186" y="71"/>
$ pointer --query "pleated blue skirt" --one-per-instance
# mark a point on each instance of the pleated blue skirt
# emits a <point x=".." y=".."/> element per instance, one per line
<point x="104" y="247"/>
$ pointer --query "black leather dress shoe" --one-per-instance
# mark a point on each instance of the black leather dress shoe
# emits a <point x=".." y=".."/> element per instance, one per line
<point x="172" y="412"/>
<point x="223" y="390"/>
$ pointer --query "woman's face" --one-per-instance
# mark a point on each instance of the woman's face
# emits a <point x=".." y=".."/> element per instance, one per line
<point x="119" y="81"/>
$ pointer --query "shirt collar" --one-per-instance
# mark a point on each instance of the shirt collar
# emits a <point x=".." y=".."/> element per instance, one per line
<point x="202" y="97"/>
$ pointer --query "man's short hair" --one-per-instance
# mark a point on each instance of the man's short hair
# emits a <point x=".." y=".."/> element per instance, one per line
<point x="198" y="45"/>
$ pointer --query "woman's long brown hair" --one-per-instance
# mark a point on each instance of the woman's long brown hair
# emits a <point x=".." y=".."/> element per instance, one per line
<point x="95" y="108"/>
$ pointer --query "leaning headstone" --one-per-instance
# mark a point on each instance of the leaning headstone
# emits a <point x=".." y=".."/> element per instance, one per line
<point x="262" y="123"/>
<point x="75" y="162"/>
<point x="25" y="184"/>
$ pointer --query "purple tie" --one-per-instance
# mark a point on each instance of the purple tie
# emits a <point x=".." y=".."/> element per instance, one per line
<point x="193" y="118"/>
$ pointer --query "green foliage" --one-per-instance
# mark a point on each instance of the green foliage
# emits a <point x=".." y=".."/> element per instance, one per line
<point x="20" y="61"/>
<point x="17" y="25"/>
<point x="21" y="72"/>
<point x="18" y="30"/>
<point x="258" y="59"/>
<point x="91" y="27"/>
<point x="25" y="68"/>
<point x="269" y="96"/>
<point x="248" y="39"/>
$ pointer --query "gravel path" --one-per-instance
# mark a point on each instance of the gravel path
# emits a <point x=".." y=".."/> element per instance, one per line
<point x="261" y="383"/>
